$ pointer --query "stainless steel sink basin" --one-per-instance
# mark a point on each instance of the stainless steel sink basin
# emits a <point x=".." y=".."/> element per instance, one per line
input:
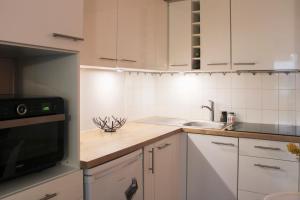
<point x="205" y="124"/>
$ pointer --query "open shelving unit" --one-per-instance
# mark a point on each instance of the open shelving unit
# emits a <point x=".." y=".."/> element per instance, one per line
<point x="196" y="49"/>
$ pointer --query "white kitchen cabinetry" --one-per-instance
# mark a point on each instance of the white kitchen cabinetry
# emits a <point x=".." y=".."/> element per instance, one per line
<point x="265" y="34"/>
<point x="212" y="167"/>
<point x="119" y="34"/>
<point x="100" y="32"/>
<point x="215" y="35"/>
<point x="180" y="35"/>
<point x="266" y="167"/>
<point x="35" y="22"/>
<point x="164" y="177"/>
<point x="66" y="187"/>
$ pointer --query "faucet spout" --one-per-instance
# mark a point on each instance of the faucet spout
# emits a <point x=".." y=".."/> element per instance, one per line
<point x="211" y="108"/>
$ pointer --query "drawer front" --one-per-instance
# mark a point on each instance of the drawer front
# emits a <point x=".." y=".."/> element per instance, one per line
<point x="243" y="195"/>
<point x="68" y="187"/>
<point x="267" y="176"/>
<point x="265" y="149"/>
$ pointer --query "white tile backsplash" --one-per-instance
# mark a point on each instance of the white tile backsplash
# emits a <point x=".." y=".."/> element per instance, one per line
<point x="287" y="117"/>
<point x="287" y="81"/>
<point x="270" y="81"/>
<point x="270" y="116"/>
<point x="260" y="98"/>
<point x="270" y="99"/>
<point x="287" y="100"/>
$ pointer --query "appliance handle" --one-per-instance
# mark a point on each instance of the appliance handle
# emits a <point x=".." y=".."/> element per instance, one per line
<point x="31" y="121"/>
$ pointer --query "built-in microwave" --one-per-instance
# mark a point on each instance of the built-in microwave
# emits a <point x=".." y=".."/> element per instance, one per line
<point x="32" y="135"/>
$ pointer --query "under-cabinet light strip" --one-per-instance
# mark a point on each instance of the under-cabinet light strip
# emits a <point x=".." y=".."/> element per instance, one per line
<point x="160" y="72"/>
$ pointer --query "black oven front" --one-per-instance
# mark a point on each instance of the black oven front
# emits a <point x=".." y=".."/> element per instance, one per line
<point x="32" y="135"/>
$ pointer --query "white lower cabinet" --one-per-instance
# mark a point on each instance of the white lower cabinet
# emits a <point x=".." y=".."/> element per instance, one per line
<point x="266" y="167"/>
<point x="244" y="195"/>
<point x="267" y="175"/>
<point x="164" y="167"/>
<point x="212" y="167"/>
<point x="69" y="187"/>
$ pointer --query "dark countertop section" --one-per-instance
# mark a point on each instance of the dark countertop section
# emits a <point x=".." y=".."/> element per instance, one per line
<point x="284" y="130"/>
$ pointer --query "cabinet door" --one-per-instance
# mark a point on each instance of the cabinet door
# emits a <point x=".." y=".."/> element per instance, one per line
<point x="180" y="35"/>
<point x="33" y="22"/>
<point x="265" y="34"/>
<point x="131" y="28"/>
<point x="215" y="34"/>
<point x="167" y="169"/>
<point x="100" y="32"/>
<point x="268" y="176"/>
<point x="149" y="153"/>
<point x="155" y="34"/>
<point x="212" y="167"/>
<point x="67" y="187"/>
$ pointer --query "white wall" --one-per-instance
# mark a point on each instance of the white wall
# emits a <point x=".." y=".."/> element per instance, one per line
<point x="262" y="98"/>
<point x="105" y="93"/>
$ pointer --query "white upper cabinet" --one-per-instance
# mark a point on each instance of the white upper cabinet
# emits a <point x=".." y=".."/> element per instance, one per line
<point x="47" y="23"/>
<point x="130" y="33"/>
<point x="180" y="35"/>
<point x="265" y="34"/>
<point x="100" y="32"/>
<point x="215" y="34"/>
<point x="125" y="33"/>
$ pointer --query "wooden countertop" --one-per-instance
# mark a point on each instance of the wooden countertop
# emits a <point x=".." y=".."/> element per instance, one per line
<point x="97" y="147"/>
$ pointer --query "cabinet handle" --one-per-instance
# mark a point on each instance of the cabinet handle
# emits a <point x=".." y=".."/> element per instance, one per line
<point x="126" y="60"/>
<point x="224" y="144"/>
<point x="163" y="146"/>
<point x="267" y="148"/>
<point x="49" y="196"/>
<point x="267" y="166"/>
<point x="250" y="63"/>
<point x="179" y="65"/>
<point x="110" y="59"/>
<point x="152" y="161"/>
<point x="211" y="64"/>
<point x="67" y="37"/>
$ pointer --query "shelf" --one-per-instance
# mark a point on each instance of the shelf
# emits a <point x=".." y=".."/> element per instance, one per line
<point x="196" y="58"/>
<point x="196" y="23"/>
<point x="196" y="35"/>
<point x="196" y="47"/>
<point x="196" y="12"/>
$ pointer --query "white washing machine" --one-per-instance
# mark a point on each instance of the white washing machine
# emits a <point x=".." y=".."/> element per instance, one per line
<point x="120" y="179"/>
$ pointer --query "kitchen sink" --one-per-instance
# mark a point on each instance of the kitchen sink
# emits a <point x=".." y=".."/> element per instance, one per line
<point x="205" y="124"/>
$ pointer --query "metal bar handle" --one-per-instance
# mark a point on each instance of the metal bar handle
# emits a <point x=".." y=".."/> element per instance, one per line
<point x="267" y="166"/>
<point x="111" y="59"/>
<point x="267" y="148"/>
<point x="31" y="121"/>
<point x="127" y="60"/>
<point x="179" y="65"/>
<point x="67" y="37"/>
<point x="49" y="196"/>
<point x="223" y="143"/>
<point x="250" y="63"/>
<point x="163" y="146"/>
<point x="152" y="161"/>
<point x="211" y="64"/>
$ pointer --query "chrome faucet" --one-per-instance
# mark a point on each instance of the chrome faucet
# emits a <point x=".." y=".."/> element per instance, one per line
<point x="211" y="108"/>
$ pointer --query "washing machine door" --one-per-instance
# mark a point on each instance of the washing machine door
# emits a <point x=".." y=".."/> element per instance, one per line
<point x="117" y="182"/>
